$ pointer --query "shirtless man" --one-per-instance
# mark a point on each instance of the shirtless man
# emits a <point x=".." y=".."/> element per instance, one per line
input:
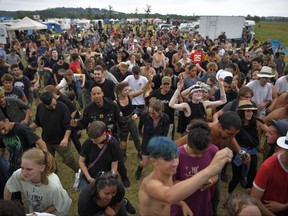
<point x="222" y="132"/>
<point x="88" y="54"/>
<point x="157" y="191"/>
<point x="176" y="57"/>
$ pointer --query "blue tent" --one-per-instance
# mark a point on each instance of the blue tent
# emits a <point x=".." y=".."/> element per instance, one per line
<point x="275" y="45"/>
<point x="54" y="26"/>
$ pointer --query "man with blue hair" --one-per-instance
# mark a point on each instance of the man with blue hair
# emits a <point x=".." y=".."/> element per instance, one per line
<point x="157" y="191"/>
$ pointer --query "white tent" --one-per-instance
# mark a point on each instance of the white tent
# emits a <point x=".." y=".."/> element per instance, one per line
<point x="26" y="24"/>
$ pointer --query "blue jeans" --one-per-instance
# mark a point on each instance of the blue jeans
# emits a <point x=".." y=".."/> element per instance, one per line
<point x="4" y="176"/>
<point x="83" y="182"/>
<point x="78" y="84"/>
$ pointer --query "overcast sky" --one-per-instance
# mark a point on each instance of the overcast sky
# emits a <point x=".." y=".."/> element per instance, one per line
<point x="183" y="7"/>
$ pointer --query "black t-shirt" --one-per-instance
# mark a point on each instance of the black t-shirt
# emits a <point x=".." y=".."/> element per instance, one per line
<point x="126" y="110"/>
<point x="87" y="205"/>
<point x="248" y="136"/>
<point x="107" y="87"/>
<point x="18" y="140"/>
<point x="29" y="73"/>
<point x="169" y="55"/>
<point x="91" y="151"/>
<point x="230" y="97"/>
<point x="197" y="112"/>
<point x="60" y="68"/>
<point x="52" y="62"/>
<point x="54" y="123"/>
<point x="64" y="99"/>
<point x="25" y="84"/>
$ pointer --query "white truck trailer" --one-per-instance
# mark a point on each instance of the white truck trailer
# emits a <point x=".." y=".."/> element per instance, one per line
<point x="212" y="26"/>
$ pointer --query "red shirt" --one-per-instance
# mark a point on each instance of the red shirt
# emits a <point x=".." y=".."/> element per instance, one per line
<point x="197" y="57"/>
<point x="272" y="180"/>
<point x="75" y="67"/>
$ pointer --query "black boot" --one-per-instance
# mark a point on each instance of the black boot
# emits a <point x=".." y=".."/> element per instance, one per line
<point x="138" y="172"/>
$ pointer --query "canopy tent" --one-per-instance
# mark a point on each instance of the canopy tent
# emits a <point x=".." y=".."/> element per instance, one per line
<point x="27" y="24"/>
<point x="276" y="44"/>
<point x="54" y="26"/>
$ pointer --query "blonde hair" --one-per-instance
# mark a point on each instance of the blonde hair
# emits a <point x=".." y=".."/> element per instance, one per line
<point x="238" y="201"/>
<point x="41" y="158"/>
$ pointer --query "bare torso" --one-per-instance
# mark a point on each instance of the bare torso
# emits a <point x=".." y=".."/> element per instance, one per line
<point x="149" y="206"/>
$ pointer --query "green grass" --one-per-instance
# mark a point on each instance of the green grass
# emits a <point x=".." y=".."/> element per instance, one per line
<point x="272" y="31"/>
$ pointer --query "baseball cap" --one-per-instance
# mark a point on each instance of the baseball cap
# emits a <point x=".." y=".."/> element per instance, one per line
<point x="166" y="79"/>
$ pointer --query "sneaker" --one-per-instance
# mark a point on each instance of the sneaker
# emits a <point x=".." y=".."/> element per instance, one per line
<point x="224" y="177"/>
<point x="129" y="207"/>
<point x="138" y="173"/>
<point x="126" y="183"/>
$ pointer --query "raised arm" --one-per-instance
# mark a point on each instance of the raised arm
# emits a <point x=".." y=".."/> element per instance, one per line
<point x="223" y="98"/>
<point x="182" y="106"/>
<point x="173" y="195"/>
<point x="133" y="94"/>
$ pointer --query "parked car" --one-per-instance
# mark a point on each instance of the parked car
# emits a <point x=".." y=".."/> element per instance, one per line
<point x="164" y="26"/>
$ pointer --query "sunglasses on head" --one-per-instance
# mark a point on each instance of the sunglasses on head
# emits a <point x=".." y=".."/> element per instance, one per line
<point x="107" y="175"/>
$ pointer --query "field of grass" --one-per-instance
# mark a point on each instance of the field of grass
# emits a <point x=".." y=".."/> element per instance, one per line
<point x="264" y="31"/>
<point x="272" y="31"/>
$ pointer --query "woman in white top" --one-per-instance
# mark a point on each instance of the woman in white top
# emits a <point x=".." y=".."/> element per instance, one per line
<point x="38" y="182"/>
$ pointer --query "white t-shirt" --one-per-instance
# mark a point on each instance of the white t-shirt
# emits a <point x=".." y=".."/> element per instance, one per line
<point x="281" y="84"/>
<point x="261" y="93"/>
<point x="136" y="85"/>
<point x="41" y="197"/>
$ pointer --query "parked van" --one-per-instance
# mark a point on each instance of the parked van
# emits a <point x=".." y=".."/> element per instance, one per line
<point x="188" y="27"/>
<point x="3" y="34"/>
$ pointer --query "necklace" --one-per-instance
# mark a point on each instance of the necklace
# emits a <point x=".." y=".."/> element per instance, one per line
<point x="35" y="182"/>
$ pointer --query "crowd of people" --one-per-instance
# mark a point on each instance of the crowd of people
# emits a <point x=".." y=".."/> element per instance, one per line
<point x="226" y="103"/>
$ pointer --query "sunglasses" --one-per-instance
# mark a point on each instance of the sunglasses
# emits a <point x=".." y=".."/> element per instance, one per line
<point x="107" y="175"/>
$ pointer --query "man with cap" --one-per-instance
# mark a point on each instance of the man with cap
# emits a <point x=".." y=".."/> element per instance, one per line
<point x="276" y="129"/>
<point x="164" y="94"/>
<point x="59" y="69"/>
<point x="262" y="89"/>
<point x="270" y="185"/>
<point x="282" y="83"/>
